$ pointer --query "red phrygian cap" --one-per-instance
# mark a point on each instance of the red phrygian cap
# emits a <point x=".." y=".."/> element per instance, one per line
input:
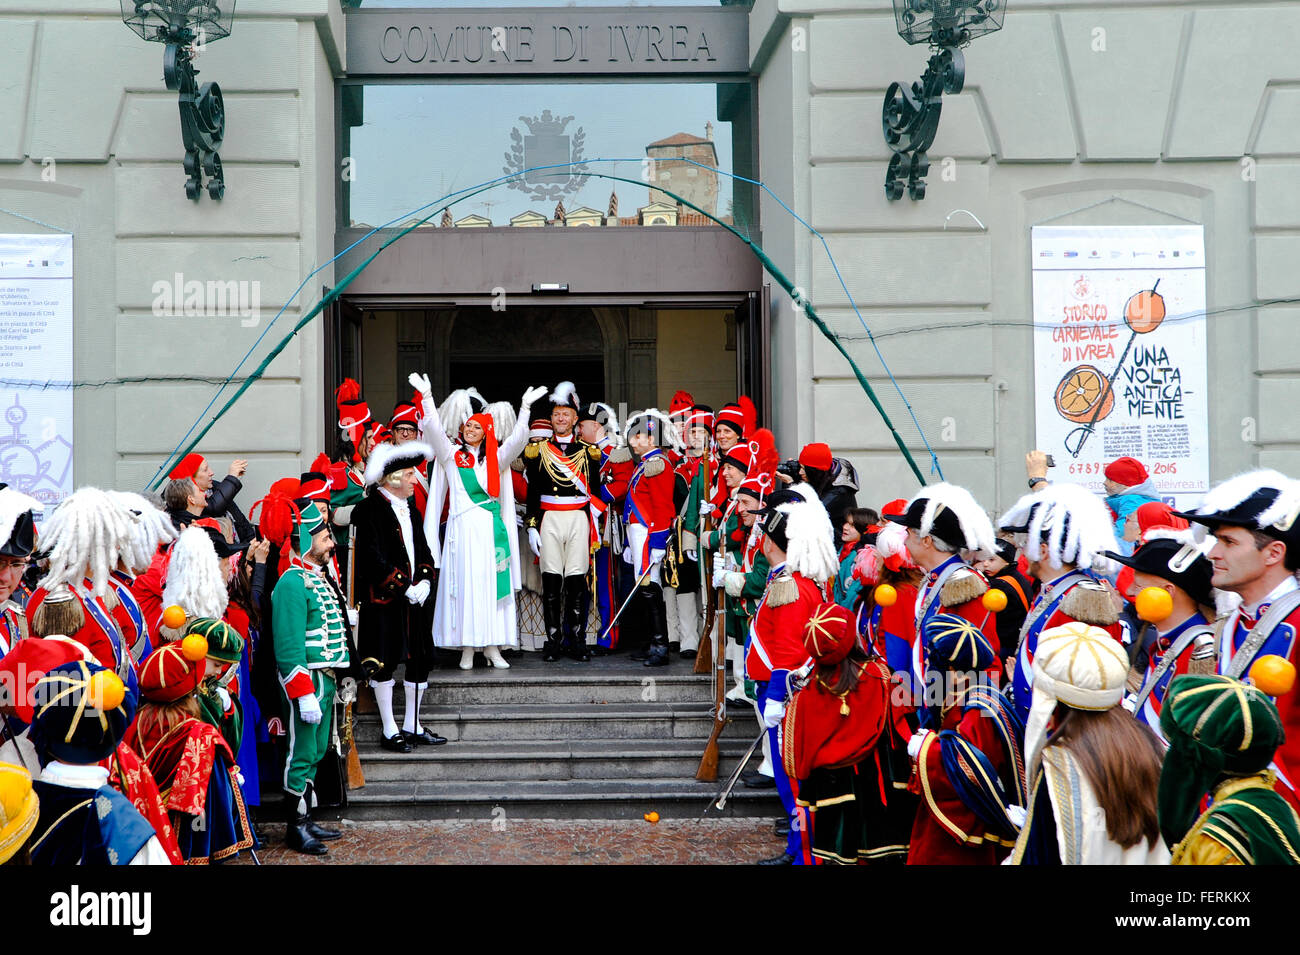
<point x="681" y="404"/>
<point x="353" y="412"/>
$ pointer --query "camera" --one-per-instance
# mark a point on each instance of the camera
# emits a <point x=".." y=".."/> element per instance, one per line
<point x="789" y="468"/>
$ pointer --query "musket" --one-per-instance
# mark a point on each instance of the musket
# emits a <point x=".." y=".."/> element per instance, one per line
<point x="707" y="771"/>
<point x="704" y="649"/>
<point x="720" y="800"/>
<point x="356" y="776"/>
<point x="627" y="600"/>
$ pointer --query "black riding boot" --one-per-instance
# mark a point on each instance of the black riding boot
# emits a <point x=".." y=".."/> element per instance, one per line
<point x="552" y="614"/>
<point x="297" y="834"/>
<point x="575" y="621"/>
<point x="317" y="830"/>
<point x="657" y="615"/>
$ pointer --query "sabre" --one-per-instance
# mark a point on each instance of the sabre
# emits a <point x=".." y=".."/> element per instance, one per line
<point x="720" y="801"/>
<point x="627" y="600"/>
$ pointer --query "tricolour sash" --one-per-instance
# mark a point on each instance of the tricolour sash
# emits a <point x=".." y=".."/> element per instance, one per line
<point x="500" y="537"/>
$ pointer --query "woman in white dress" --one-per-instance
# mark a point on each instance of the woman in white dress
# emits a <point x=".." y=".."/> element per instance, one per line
<point x="479" y="559"/>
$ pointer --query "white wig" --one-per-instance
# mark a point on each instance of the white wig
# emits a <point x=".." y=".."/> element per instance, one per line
<point x="976" y="527"/>
<point x="610" y="417"/>
<point x="194" y="579"/>
<point x="150" y="529"/>
<point x="669" y="435"/>
<point x="809" y="536"/>
<point x="1074" y="523"/>
<point x="84" y="537"/>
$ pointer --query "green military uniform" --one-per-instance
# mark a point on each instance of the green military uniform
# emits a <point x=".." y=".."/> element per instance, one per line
<point x="311" y="643"/>
<point x="739" y="609"/>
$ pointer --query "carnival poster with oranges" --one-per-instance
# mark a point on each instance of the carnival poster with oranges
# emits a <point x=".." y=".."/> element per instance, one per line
<point x="1120" y="353"/>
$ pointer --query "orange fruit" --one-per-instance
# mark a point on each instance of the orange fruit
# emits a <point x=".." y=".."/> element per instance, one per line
<point x="1273" y="674"/>
<point x="886" y="596"/>
<point x="173" y="617"/>
<point x="651" y="817"/>
<point x="1154" y="604"/>
<point x="106" y="691"/>
<point x="994" y="601"/>
<point x="194" y="648"/>
<point x="1084" y="395"/>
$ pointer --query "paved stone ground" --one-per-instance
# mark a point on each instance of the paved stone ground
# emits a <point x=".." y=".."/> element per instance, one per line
<point x="537" y="842"/>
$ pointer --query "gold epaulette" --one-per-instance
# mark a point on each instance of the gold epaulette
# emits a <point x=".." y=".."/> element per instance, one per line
<point x="654" y="467"/>
<point x="531" y="450"/>
<point x="782" y="591"/>
<point x="593" y="452"/>
<point x="962" y="587"/>
<point x="1091" y="603"/>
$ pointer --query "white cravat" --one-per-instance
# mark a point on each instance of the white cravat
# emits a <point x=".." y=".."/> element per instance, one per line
<point x="403" y="511"/>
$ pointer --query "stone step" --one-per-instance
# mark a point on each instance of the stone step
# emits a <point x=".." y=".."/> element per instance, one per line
<point x="546" y="760"/>
<point x="572" y="799"/>
<point x="545" y="721"/>
<point x="493" y="687"/>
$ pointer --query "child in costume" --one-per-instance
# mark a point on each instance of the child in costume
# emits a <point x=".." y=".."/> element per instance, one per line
<point x="192" y="763"/>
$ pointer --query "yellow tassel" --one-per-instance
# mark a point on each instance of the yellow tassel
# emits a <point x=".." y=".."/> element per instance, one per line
<point x="844" y="707"/>
<point x="782" y="591"/>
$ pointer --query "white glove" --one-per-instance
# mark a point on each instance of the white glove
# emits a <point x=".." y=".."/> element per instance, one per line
<point x="733" y="583"/>
<point x="535" y="541"/>
<point x="342" y="515"/>
<point x="1130" y="702"/>
<point x="532" y="394"/>
<point x="692" y="555"/>
<point x="627" y="554"/>
<point x="914" y="744"/>
<point x="309" y="708"/>
<point x="719" y="575"/>
<point x="706" y="508"/>
<point x="353" y="617"/>
<point x="418" y="593"/>
<point x="773" y="710"/>
<point x="420" y="383"/>
<point x="224" y="696"/>
<point x="1017" y="816"/>
<point x="657" y="554"/>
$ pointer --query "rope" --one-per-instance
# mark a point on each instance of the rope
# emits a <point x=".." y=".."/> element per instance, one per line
<point x="459" y="196"/>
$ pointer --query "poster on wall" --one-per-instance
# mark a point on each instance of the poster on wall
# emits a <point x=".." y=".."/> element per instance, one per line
<point x="36" y="369"/>
<point x="1120" y="353"/>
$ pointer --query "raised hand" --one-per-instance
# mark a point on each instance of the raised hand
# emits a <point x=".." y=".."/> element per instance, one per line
<point x="420" y="383"/>
<point x="532" y="394"/>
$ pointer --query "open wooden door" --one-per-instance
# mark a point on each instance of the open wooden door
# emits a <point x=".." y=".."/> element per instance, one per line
<point x="342" y="360"/>
<point x="754" y="352"/>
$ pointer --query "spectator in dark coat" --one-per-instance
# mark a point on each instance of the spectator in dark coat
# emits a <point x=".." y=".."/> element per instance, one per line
<point x="834" y="480"/>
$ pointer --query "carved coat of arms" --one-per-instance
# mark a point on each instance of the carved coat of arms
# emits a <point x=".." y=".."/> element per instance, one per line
<point x="546" y="144"/>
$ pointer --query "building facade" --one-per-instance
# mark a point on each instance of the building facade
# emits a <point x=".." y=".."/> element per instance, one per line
<point x="1101" y="114"/>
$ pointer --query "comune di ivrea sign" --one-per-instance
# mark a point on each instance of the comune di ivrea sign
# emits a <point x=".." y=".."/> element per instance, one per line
<point x="542" y="42"/>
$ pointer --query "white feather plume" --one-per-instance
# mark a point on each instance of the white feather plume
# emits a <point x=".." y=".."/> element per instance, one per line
<point x="456" y="409"/>
<point x="1082" y="540"/>
<point x="194" y="581"/>
<point x="1284" y="511"/>
<point x="1228" y="494"/>
<point x="504" y="418"/>
<point x="13" y="504"/>
<point x="974" y="520"/>
<point x="83" y="536"/>
<point x="150" y="529"/>
<point x="892" y="540"/>
<point x="611" y="418"/>
<point x="565" y="392"/>
<point x="670" y="436"/>
<point x="1184" y="535"/>
<point x="808" y="532"/>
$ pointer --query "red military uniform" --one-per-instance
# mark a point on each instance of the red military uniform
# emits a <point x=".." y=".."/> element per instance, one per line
<point x="129" y="617"/>
<point x="99" y="634"/>
<point x="961" y="593"/>
<point x="777" y="642"/>
<point x="649" y="503"/>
